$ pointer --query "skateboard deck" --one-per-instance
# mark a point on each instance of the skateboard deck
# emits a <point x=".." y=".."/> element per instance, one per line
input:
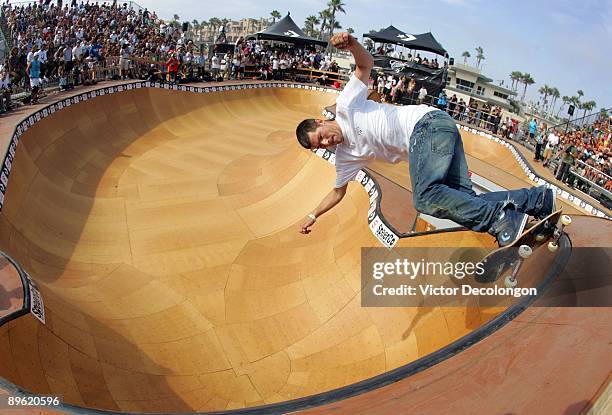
<point x="501" y="259"/>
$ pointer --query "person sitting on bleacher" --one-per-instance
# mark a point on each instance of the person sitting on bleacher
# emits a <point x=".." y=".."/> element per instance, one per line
<point x="5" y="89"/>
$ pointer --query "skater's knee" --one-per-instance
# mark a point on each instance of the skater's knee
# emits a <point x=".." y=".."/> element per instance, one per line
<point x="423" y="206"/>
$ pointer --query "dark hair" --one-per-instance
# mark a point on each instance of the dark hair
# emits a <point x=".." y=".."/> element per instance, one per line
<point x="307" y="126"/>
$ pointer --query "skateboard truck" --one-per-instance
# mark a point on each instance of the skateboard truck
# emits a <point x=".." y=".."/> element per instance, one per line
<point x="554" y="244"/>
<point x="524" y="252"/>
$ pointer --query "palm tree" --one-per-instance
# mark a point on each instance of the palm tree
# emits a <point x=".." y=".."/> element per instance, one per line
<point x="465" y="55"/>
<point x="176" y="17"/>
<point x="555" y="94"/>
<point x="214" y="23"/>
<point x="588" y="106"/>
<point x="275" y="15"/>
<point x="545" y="90"/>
<point x="325" y="17"/>
<point x="580" y="93"/>
<point x="350" y="30"/>
<point x="334" y="6"/>
<point x="515" y="76"/>
<point x="603" y="113"/>
<point x="310" y="25"/>
<point x="479" y="55"/>
<point x="527" y="80"/>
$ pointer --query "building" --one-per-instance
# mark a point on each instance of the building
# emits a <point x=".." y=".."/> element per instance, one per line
<point x="469" y="83"/>
<point x="233" y="29"/>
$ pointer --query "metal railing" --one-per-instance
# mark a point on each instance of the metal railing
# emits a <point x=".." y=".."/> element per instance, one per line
<point x="591" y="181"/>
<point x="581" y="122"/>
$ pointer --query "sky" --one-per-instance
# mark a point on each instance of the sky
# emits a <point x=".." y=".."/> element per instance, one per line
<point x="565" y="44"/>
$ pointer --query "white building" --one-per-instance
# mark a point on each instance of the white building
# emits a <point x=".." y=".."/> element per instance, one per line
<point x="468" y="82"/>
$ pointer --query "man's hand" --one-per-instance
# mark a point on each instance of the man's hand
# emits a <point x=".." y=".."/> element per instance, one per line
<point x="308" y="222"/>
<point x="342" y="41"/>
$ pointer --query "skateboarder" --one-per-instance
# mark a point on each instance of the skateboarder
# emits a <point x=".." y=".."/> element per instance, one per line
<point x="428" y="138"/>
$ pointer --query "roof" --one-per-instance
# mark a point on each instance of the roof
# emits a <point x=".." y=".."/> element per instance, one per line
<point x="285" y="30"/>
<point x="423" y="41"/>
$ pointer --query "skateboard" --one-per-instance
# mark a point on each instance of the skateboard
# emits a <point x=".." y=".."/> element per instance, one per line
<point x="513" y="255"/>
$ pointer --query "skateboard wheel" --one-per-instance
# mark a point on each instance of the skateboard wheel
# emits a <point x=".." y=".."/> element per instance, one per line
<point x="566" y="220"/>
<point x="540" y="237"/>
<point x="510" y="282"/>
<point x="552" y="247"/>
<point x="525" y="251"/>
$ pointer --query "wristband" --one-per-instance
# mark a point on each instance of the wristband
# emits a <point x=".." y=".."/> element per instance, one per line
<point x="312" y="216"/>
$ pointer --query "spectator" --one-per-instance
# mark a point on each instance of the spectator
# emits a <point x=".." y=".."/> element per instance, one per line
<point x="422" y="94"/>
<point x="173" y="67"/>
<point x="216" y="67"/>
<point x="441" y="104"/>
<point x="568" y="160"/>
<point x="551" y="146"/>
<point x="5" y="89"/>
<point x="533" y="128"/>
<point x="124" y="61"/>
<point x="539" y="140"/>
<point x="34" y="74"/>
<point x="380" y="83"/>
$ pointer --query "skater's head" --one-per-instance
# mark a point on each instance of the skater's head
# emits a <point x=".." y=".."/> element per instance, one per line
<point x="315" y="133"/>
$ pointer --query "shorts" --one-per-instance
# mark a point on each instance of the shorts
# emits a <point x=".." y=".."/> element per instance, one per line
<point x="124" y="63"/>
<point x="531" y="135"/>
<point x="35" y="82"/>
<point x="548" y="152"/>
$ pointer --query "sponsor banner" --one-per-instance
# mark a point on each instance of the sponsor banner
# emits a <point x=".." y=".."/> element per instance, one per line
<point x="371" y="212"/>
<point x="37" y="306"/>
<point x="373" y="195"/>
<point x="360" y="175"/>
<point x="383" y="233"/>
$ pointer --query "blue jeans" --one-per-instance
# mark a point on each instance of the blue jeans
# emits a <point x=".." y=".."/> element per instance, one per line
<point x="441" y="186"/>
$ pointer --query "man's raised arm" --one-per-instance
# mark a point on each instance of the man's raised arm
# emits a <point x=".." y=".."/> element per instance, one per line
<point x="363" y="60"/>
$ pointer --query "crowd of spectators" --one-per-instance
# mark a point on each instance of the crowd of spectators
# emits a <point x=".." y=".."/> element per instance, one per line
<point x="580" y="157"/>
<point x="73" y="41"/>
<point x="394" y="53"/>
<point x="480" y="114"/>
<point x="261" y="60"/>
<point x="400" y="89"/>
<point x="81" y="43"/>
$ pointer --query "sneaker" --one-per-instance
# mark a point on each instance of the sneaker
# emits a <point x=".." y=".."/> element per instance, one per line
<point x="549" y="205"/>
<point x="509" y="226"/>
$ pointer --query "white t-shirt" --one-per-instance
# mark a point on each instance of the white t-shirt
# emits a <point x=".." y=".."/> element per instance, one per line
<point x="372" y="131"/>
<point x="553" y="140"/>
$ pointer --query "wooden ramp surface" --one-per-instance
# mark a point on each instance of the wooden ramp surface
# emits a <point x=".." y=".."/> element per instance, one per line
<point x="162" y="230"/>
